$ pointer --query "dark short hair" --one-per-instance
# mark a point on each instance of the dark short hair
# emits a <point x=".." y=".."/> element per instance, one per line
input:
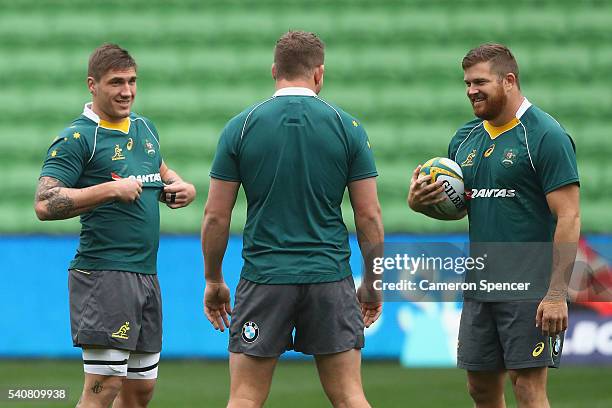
<point x="297" y="53"/>
<point x="501" y="59"/>
<point x="107" y="57"/>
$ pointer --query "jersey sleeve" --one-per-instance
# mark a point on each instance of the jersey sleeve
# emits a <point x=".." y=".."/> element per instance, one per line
<point x="151" y="126"/>
<point x="453" y="146"/>
<point x="460" y="135"/>
<point x="555" y="160"/>
<point x="153" y="129"/>
<point x="225" y="164"/>
<point x="361" y="164"/>
<point x="66" y="158"/>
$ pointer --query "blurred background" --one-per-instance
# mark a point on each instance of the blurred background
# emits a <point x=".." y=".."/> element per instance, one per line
<point x="393" y="64"/>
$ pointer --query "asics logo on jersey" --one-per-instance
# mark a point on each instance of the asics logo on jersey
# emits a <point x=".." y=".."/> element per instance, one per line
<point x="490" y="193"/>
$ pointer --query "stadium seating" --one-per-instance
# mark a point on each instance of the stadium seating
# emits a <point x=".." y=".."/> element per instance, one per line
<point x="393" y="64"/>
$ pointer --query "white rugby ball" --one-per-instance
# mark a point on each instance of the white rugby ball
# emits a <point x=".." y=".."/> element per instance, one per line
<point x="449" y="172"/>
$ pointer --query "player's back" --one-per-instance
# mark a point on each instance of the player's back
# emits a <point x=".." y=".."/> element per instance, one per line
<point x="294" y="161"/>
<point x="295" y="155"/>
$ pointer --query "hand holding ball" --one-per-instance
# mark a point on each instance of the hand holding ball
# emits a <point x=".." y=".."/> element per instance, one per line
<point x="451" y="176"/>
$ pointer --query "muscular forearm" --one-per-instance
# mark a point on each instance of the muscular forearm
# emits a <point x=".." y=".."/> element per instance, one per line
<point x="567" y="234"/>
<point x="54" y="201"/>
<point x="370" y="236"/>
<point x="169" y="176"/>
<point x="215" y="233"/>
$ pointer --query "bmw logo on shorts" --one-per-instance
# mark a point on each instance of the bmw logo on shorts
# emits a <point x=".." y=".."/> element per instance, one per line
<point x="250" y="332"/>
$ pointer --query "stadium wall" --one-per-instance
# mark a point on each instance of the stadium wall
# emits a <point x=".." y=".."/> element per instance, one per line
<point x="395" y="65"/>
<point x="35" y="323"/>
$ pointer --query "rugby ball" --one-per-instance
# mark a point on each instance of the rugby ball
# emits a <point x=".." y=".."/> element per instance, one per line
<point x="449" y="172"/>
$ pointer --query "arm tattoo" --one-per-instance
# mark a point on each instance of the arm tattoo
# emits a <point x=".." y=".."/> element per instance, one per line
<point x="59" y="205"/>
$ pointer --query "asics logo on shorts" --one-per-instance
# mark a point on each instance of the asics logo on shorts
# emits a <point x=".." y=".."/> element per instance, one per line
<point x="538" y="349"/>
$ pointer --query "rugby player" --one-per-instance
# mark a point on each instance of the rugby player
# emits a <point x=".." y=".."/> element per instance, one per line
<point x="523" y="155"/>
<point x="294" y="154"/>
<point x="107" y="168"/>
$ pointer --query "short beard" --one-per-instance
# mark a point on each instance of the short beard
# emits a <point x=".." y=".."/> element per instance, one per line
<point x="495" y="106"/>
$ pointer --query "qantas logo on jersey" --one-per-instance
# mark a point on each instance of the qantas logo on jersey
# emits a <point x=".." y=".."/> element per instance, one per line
<point x="144" y="178"/>
<point x="490" y="193"/>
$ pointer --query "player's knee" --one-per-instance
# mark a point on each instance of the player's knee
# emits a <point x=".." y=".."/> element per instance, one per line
<point x="343" y="395"/>
<point x="529" y="385"/>
<point x="527" y="391"/>
<point x="142" y="394"/>
<point x="476" y="391"/>
<point x="482" y="392"/>
<point x="248" y="396"/>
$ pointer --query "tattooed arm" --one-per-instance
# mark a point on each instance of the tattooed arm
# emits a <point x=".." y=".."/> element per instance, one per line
<point x="168" y="175"/>
<point x="55" y="201"/>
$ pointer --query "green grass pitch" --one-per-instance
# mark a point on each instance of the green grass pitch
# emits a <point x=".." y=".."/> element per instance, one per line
<point x="205" y="384"/>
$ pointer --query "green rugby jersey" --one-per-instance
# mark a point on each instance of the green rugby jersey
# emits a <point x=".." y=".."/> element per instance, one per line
<point x="91" y="151"/>
<point x="294" y="155"/>
<point x="507" y="172"/>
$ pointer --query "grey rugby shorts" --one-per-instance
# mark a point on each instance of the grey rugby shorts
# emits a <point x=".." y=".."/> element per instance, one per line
<point x="115" y="309"/>
<point x="326" y="318"/>
<point x="502" y="335"/>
